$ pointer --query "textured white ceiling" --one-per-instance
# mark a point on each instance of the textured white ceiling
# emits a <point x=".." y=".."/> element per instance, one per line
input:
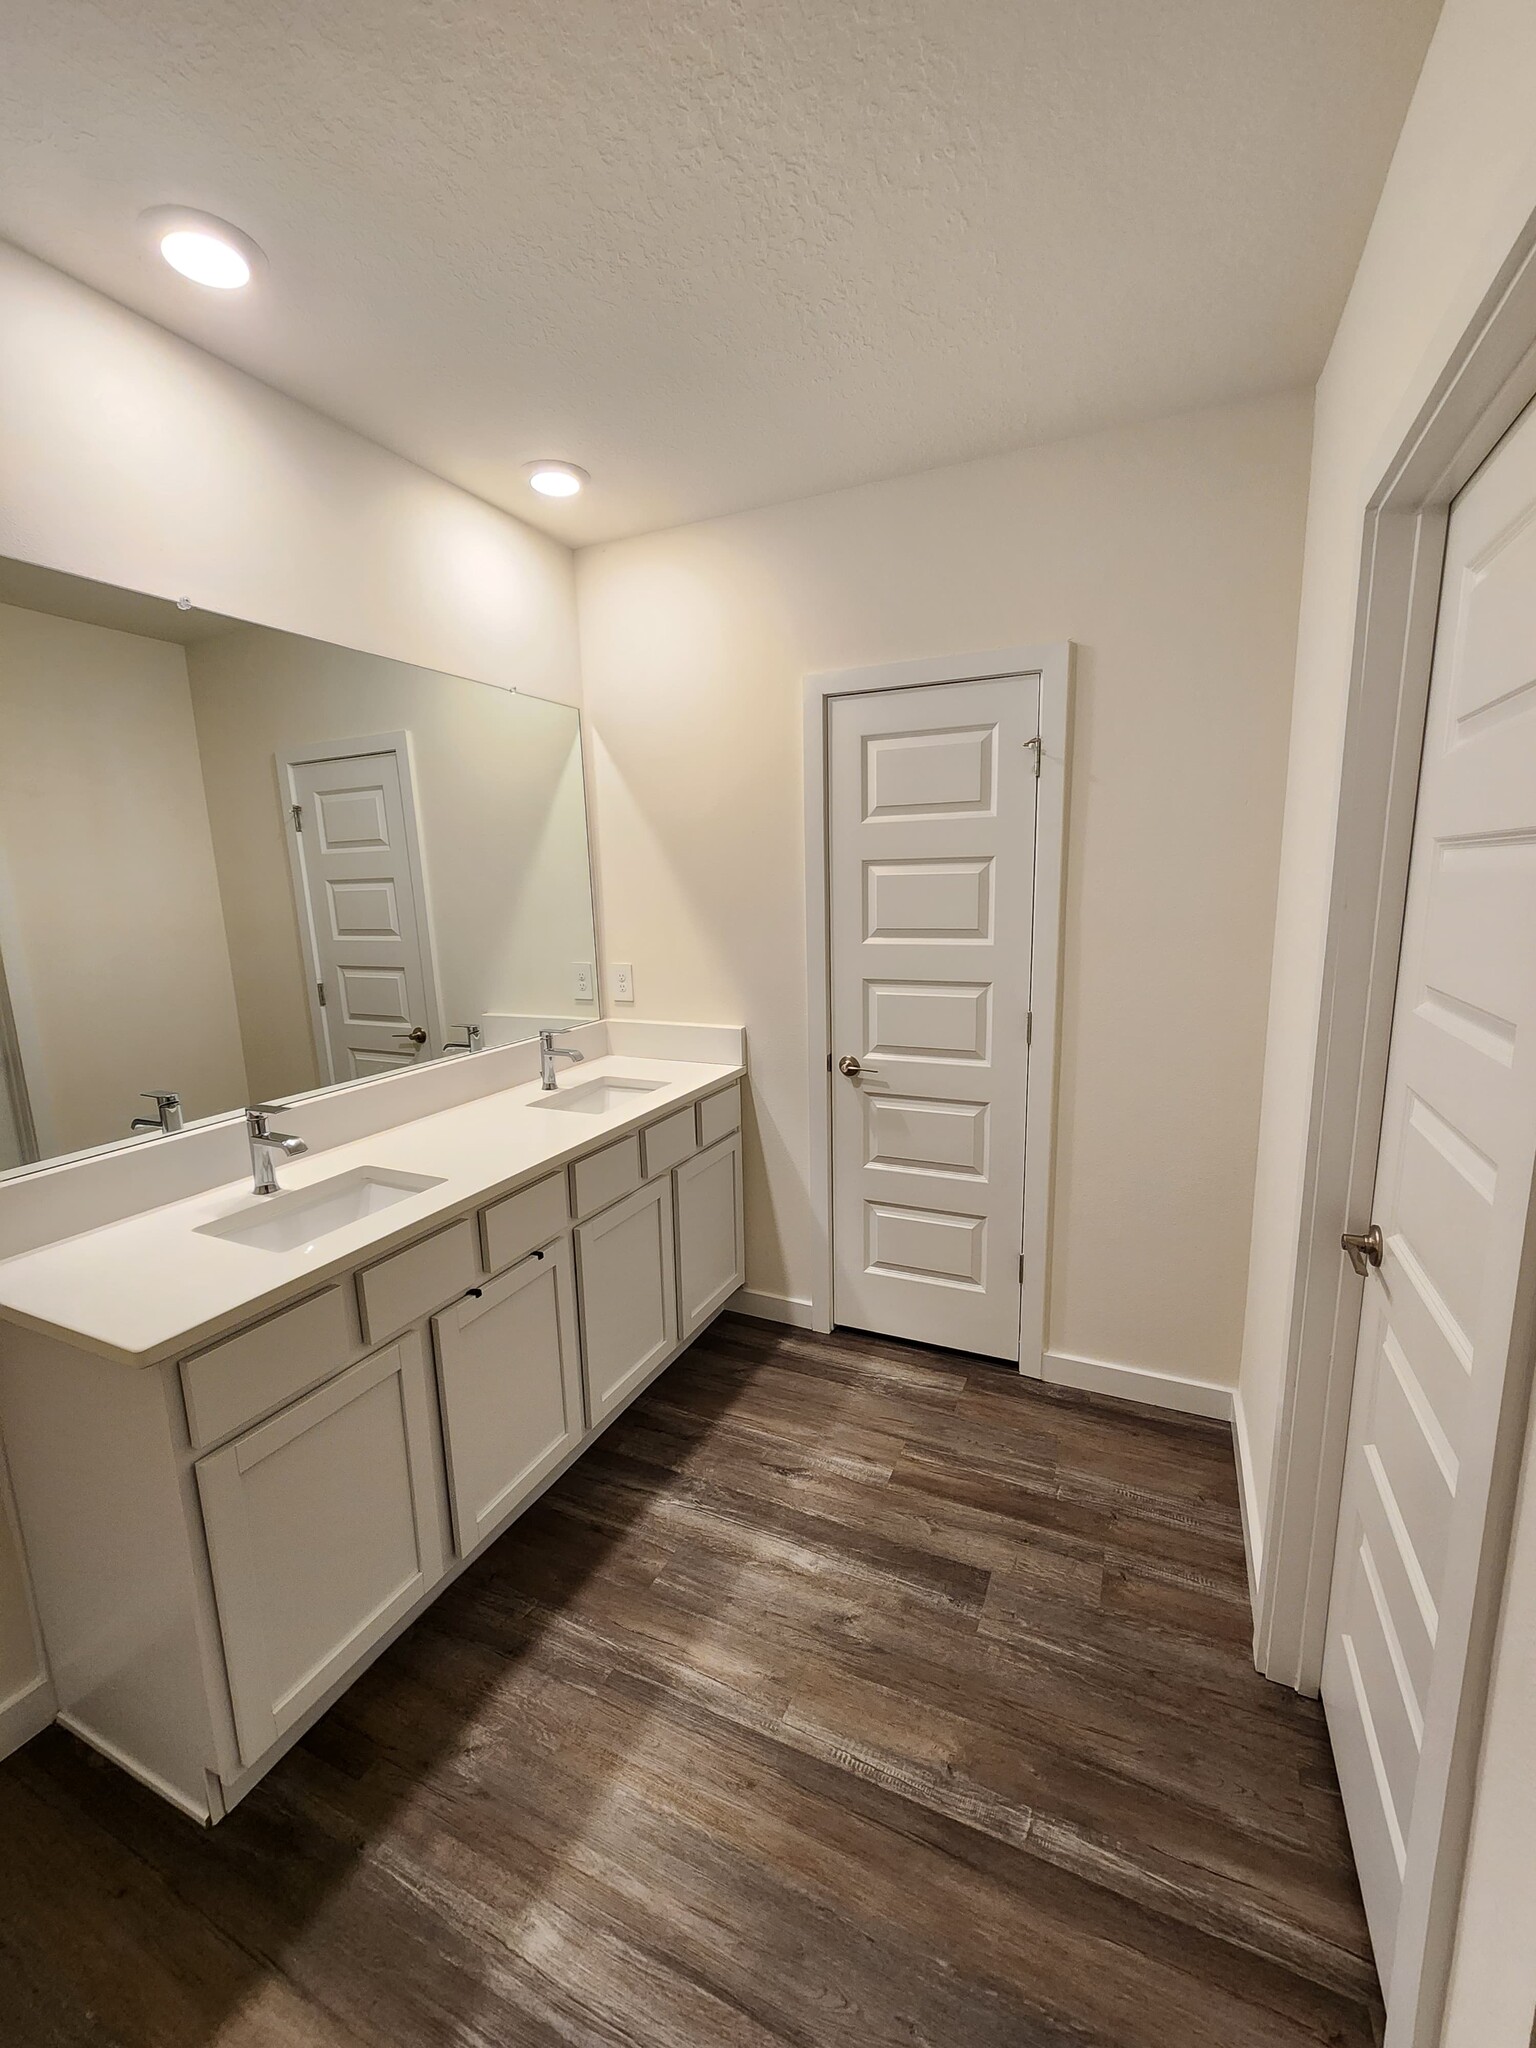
<point x="722" y="252"/>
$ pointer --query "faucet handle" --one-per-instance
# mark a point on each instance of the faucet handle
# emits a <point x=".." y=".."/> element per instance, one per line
<point x="159" y="1095"/>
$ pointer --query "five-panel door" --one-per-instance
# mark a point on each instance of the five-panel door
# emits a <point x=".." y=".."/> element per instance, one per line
<point x="931" y="799"/>
<point x="1453" y="1204"/>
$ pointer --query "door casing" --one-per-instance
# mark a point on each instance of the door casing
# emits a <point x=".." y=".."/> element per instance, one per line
<point x="1052" y="665"/>
<point x="1486" y="378"/>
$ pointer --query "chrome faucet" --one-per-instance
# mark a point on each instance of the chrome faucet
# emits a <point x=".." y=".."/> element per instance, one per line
<point x="549" y="1052"/>
<point x="268" y="1146"/>
<point x="167" y="1117"/>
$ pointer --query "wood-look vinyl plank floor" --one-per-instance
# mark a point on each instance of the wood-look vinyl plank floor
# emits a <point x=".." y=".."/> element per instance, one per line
<point x="844" y="1693"/>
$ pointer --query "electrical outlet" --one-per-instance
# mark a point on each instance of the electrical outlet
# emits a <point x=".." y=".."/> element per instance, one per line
<point x="623" y="983"/>
<point x="583" y="981"/>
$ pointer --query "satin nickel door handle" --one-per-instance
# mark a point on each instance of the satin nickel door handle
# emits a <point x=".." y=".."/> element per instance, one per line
<point x="852" y="1066"/>
<point x="416" y="1036"/>
<point x="1364" y="1248"/>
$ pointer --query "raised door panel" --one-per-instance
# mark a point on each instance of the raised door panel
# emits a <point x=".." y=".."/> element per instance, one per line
<point x="323" y="1530"/>
<point x="628" y="1288"/>
<point x="710" y="1262"/>
<point x="509" y="1368"/>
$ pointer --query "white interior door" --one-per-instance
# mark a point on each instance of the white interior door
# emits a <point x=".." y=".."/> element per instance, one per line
<point x="1452" y="1201"/>
<point x="352" y="834"/>
<point x="931" y="797"/>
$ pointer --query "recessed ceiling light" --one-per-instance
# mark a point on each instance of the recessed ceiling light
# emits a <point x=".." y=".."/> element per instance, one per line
<point x="557" y="479"/>
<point x="199" y="245"/>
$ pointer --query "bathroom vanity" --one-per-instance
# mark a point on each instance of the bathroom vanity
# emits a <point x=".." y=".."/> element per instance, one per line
<point x="253" y="1437"/>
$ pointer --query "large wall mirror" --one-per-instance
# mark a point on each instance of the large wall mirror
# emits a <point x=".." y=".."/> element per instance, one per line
<point x="237" y="865"/>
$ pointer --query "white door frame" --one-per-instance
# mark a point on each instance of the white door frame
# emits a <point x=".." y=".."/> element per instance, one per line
<point x="398" y="744"/>
<point x="1052" y="665"/>
<point x="1484" y="379"/>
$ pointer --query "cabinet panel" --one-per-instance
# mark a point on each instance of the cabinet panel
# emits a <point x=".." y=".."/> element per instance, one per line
<point x="670" y="1141"/>
<point x="323" y="1530"/>
<point x="720" y="1114"/>
<point x="628" y="1288"/>
<point x="520" y="1223"/>
<point x="710" y="1255"/>
<point x="602" y="1177"/>
<point x="407" y="1286"/>
<point x="246" y="1376"/>
<point x="509" y="1367"/>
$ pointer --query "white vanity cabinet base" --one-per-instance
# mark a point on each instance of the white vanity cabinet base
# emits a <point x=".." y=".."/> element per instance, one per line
<point x="509" y="1379"/>
<point x="625" y="1259"/>
<point x="322" y="1533"/>
<point x="711" y="1259"/>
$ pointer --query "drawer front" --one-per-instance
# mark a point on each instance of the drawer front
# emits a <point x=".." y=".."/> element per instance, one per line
<point x="668" y="1143"/>
<point x="401" y="1290"/>
<point x="522" y="1222"/>
<point x="606" y="1176"/>
<point x="247" y="1376"/>
<point x="720" y="1114"/>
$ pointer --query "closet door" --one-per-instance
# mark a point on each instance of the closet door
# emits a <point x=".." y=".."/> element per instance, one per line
<point x="628" y="1284"/>
<point x="323" y="1530"/>
<point x="509" y="1367"/>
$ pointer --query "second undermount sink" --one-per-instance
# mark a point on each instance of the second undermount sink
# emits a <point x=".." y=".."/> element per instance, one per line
<point x="596" y="1098"/>
<point x="293" y="1222"/>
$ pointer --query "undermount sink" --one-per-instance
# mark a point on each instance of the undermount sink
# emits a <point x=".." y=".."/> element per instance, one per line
<point x="596" y="1098"/>
<point x="294" y="1222"/>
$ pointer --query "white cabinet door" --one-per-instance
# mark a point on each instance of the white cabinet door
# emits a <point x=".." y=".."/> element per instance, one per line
<point x="509" y="1366"/>
<point x="710" y="1262"/>
<point x="323" y="1529"/>
<point x="628" y="1284"/>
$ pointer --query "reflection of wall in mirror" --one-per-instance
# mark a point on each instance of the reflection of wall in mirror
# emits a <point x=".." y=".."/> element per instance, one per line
<point x="112" y="895"/>
<point x="500" y="799"/>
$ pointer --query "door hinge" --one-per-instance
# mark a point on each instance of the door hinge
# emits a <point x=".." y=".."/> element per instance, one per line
<point x="1038" y="749"/>
<point x="1021" y="1265"/>
<point x="320" y="992"/>
<point x="1029" y="1027"/>
<point x="295" y="812"/>
<point x="829" y="1063"/>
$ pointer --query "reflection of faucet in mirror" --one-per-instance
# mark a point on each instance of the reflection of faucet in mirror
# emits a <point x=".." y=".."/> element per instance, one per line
<point x="268" y="1146"/>
<point x="167" y="1117"/>
<point x="471" y="1039"/>
<point x="549" y="1052"/>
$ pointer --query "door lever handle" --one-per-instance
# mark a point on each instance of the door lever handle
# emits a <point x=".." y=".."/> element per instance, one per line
<point x="1364" y="1248"/>
<point x="852" y="1066"/>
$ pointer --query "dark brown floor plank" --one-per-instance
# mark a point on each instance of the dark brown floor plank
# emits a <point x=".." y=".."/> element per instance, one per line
<point x="846" y="1692"/>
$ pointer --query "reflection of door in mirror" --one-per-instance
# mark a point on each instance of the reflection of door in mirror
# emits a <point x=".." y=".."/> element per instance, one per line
<point x="355" y="846"/>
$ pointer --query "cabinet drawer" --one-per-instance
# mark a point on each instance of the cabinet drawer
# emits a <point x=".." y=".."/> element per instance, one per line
<point x="668" y="1143"/>
<point x="247" y="1376"/>
<point x="398" y="1291"/>
<point x="720" y="1114"/>
<point x="605" y="1176"/>
<point x="522" y="1222"/>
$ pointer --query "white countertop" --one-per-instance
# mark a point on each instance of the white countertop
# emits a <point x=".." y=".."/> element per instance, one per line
<point x="150" y="1287"/>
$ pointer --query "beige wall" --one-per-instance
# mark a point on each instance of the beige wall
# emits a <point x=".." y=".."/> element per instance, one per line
<point x="131" y="456"/>
<point x="1171" y="554"/>
<point x="499" y="795"/>
<point x="1462" y="182"/>
<point x="116" y="944"/>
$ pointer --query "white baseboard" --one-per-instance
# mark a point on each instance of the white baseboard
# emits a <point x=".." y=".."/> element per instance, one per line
<point x="1139" y="1383"/>
<point x="1248" y="1500"/>
<point x="26" y="1713"/>
<point x="774" y="1308"/>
